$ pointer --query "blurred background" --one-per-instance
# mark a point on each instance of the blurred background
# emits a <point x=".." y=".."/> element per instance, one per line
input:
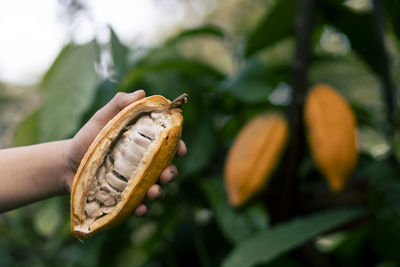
<point x="60" y="61"/>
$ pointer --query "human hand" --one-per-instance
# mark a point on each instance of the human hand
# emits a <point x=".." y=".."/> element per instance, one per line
<point x="79" y="144"/>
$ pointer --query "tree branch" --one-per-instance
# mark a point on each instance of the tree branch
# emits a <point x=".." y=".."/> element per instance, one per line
<point x="303" y="30"/>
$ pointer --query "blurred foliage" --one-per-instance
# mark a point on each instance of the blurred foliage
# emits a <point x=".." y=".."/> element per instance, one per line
<point x="194" y="225"/>
<point x="270" y="243"/>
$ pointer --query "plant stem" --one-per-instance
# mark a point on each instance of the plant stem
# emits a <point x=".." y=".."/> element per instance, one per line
<point x="386" y="79"/>
<point x="303" y="29"/>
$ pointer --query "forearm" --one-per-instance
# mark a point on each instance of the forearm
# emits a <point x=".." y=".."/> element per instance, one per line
<point x="31" y="173"/>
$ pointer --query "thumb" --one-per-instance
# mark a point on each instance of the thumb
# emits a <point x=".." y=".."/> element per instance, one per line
<point x="88" y="132"/>
<point x="119" y="102"/>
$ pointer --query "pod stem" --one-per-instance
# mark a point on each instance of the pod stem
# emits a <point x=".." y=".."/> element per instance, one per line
<point x="179" y="101"/>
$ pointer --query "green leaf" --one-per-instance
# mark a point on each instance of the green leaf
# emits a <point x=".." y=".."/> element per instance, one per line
<point x="119" y="53"/>
<point x="105" y="91"/>
<point x="251" y="85"/>
<point x="252" y="92"/>
<point x="27" y="132"/>
<point x="191" y="68"/>
<point x="53" y="70"/>
<point x="237" y="225"/>
<point x="210" y="30"/>
<point x="352" y="248"/>
<point x="345" y="73"/>
<point x="352" y="77"/>
<point x="170" y="51"/>
<point x="70" y="86"/>
<point x="276" y="25"/>
<point x="373" y="142"/>
<point x="266" y="246"/>
<point x="49" y="218"/>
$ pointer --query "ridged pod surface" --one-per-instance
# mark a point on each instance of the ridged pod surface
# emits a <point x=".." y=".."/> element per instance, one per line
<point x="123" y="162"/>
<point x="254" y="155"/>
<point x="331" y="134"/>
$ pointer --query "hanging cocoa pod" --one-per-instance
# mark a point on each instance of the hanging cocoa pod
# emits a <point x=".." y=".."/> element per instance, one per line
<point x="331" y="134"/>
<point x="254" y="155"/>
<point x="123" y="162"/>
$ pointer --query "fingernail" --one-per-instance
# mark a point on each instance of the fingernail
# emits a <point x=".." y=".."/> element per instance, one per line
<point x="143" y="214"/>
<point x="161" y="194"/>
<point x="173" y="176"/>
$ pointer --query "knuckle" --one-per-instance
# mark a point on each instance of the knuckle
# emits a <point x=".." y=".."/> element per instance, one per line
<point x="118" y="97"/>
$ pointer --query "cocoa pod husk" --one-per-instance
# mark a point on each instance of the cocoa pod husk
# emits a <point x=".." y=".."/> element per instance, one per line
<point x="254" y="155"/>
<point x="107" y="188"/>
<point x="331" y="133"/>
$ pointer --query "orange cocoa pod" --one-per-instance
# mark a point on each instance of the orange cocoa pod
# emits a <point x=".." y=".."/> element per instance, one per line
<point x="123" y="162"/>
<point x="254" y="155"/>
<point x="331" y="134"/>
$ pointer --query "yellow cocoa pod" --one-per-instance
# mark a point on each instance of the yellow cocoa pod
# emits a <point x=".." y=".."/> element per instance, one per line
<point x="254" y="155"/>
<point x="123" y="162"/>
<point x="331" y="134"/>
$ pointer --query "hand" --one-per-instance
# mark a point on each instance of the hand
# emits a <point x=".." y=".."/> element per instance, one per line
<point x="78" y="145"/>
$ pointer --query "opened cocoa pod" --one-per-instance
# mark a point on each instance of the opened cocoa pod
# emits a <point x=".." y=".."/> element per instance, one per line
<point x="123" y="162"/>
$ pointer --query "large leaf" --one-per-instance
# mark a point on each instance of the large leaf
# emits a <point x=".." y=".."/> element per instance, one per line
<point x="252" y="91"/>
<point x="266" y="246"/>
<point x="210" y="30"/>
<point x="170" y="51"/>
<point x="70" y="86"/>
<point x="188" y="67"/>
<point x="27" y="131"/>
<point x="119" y="53"/>
<point x="53" y="71"/>
<point x="254" y="83"/>
<point x="354" y="80"/>
<point x="237" y="225"/>
<point x="276" y="25"/>
<point x="105" y="91"/>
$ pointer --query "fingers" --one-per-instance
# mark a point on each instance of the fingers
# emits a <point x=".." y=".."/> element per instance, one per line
<point x="181" y="150"/>
<point x="119" y="102"/>
<point x="169" y="174"/>
<point x="141" y="210"/>
<point x="155" y="192"/>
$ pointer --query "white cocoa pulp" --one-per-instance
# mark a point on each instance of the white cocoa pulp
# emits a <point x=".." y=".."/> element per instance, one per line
<point x="121" y="163"/>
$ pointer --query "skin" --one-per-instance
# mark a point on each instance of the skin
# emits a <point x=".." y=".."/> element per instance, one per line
<point x="37" y="172"/>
